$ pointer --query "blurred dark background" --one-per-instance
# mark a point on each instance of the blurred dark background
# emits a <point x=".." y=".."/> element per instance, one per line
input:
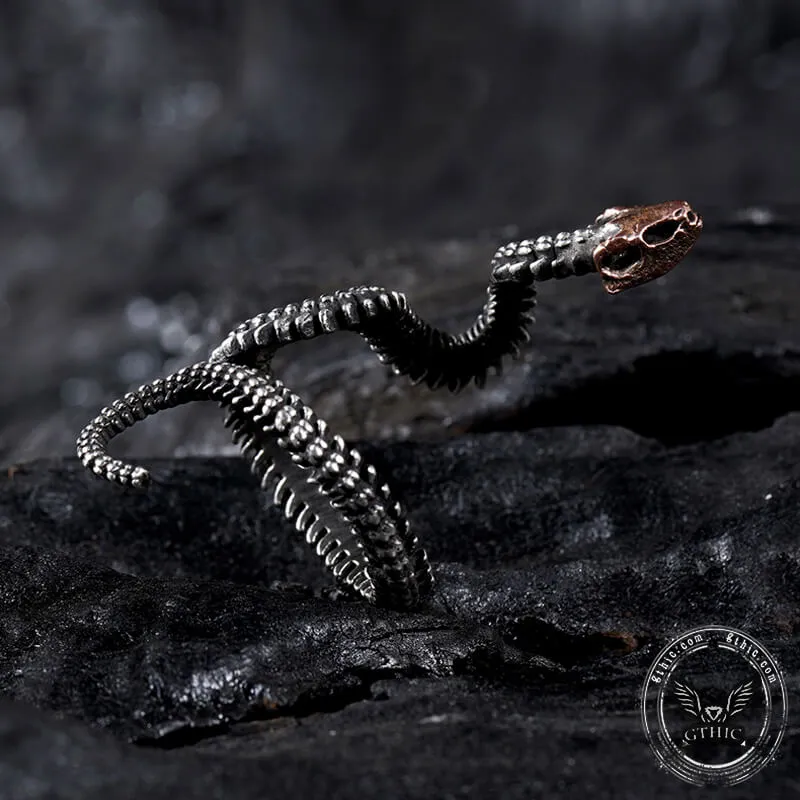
<point x="156" y="156"/>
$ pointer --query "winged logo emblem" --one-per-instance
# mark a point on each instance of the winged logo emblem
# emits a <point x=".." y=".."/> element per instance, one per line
<point x="690" y="701"/>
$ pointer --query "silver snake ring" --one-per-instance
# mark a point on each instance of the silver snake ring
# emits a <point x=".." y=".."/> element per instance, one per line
<point x="333" y="497"/>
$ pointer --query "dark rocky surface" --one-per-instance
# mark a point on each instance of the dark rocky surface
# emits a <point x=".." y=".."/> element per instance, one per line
<point x="634" y="476"/>
<point x="168" y="170"/>
<point x="589" y="560"/>
<point x="627" y="507"/>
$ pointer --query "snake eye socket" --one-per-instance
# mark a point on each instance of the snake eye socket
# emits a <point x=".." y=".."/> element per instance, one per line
<point x="661" y="231"/>
<point x="620" y="262"/>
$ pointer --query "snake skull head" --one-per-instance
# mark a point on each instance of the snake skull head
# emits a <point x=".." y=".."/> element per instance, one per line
<point x="648" y="242"/>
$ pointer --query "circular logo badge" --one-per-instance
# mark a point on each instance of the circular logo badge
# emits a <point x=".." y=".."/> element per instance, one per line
<point x="714" y="706"/>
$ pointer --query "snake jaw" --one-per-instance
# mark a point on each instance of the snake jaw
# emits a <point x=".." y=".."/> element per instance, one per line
<point x="649" y="241"/>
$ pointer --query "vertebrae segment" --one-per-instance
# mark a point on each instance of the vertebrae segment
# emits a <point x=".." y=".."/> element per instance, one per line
<point x="324" y="487"/>
<point x="309" y="471"/>
<point x="394" y="332"/>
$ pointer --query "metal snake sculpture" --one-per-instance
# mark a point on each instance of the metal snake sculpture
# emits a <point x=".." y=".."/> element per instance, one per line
<point x="333" y="497"/>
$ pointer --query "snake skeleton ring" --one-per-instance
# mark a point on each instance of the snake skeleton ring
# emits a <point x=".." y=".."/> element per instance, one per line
<point x="334" y="498"/>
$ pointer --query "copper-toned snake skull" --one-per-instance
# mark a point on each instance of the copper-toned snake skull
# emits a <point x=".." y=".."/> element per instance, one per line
<point x="650" y="242"/>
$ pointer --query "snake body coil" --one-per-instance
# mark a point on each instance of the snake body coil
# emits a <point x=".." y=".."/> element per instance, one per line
<point x="347" y="514"/>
